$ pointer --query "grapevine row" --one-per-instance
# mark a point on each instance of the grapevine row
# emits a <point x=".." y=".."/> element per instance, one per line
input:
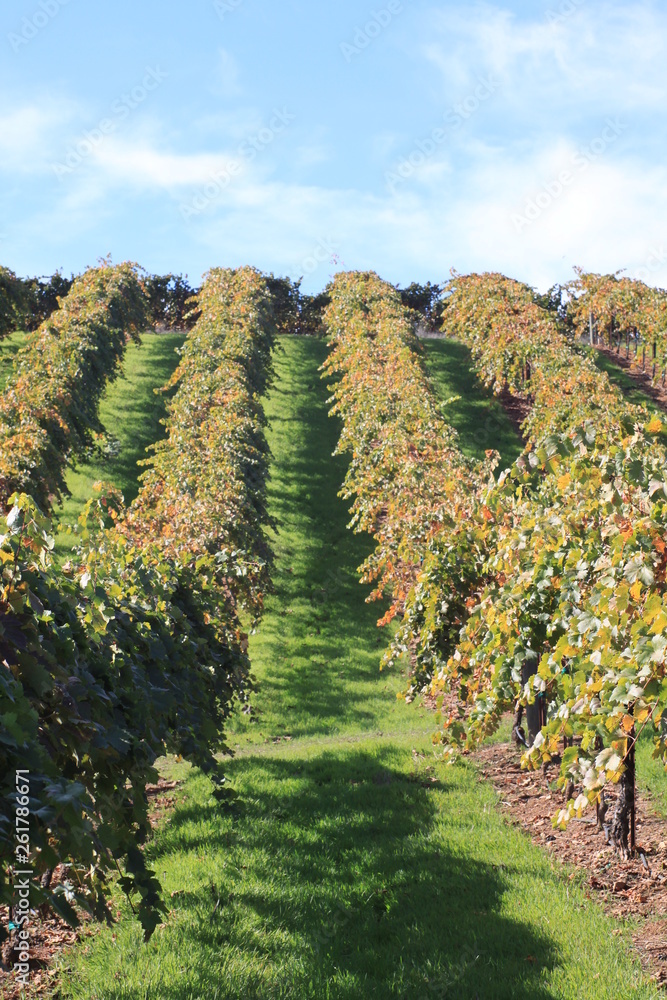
<point x="610" y="306"/>
<point x="49" y="408"/>
<point x="548" y="584"/>
<point x="407" y="477"/>
<point x="554" y="559"/>
<point x="140" y="651"/>
<point x="517" y="344"/>
<point x="11" y="301"/>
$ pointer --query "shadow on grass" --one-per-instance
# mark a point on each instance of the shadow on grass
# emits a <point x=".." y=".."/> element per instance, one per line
<point x="477" y="415"/>
<point x="132" y="412"/>
<point x="339" y="868"/>
<point x="320" y="633"/>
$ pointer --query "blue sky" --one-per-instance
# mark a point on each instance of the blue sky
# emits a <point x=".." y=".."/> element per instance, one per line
<point x="403" y="136"/>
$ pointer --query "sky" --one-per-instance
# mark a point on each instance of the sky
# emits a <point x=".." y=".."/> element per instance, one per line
<point x="309" y="136"/>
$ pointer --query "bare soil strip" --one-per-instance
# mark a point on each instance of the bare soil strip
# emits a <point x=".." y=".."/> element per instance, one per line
<point x="635" y="889"/>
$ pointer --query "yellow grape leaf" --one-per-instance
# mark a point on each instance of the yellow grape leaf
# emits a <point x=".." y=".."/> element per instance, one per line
<point x="564" y="481"/>
<point x="659" y="624"/>
<point x="643" y="715"/>
<point x="654" y="426"/>
<point x="653" y="607"/>
<point x="627" y="723"/>
<point x="636" y="590"/>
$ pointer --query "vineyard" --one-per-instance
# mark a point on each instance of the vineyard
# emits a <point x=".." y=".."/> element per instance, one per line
<point x="245" y="684"/>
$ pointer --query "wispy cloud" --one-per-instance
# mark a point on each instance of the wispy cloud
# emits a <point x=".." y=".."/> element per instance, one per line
<point x="28" y="133"/>
<point x="589" y="58"/>
<point x="226" y="77"/>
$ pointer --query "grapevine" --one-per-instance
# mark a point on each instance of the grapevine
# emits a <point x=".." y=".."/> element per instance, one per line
<point x="140" y="650"/>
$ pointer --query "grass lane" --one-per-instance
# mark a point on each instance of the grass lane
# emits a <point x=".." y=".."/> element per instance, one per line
<point x="131" y="413"/>
<point x="352" y="865"/>
<point x="477" y="415"/>
<point x="620" y="377"/>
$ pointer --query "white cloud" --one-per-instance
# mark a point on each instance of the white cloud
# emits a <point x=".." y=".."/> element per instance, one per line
<point x="557" y="85"/>
<point x="604" y="54"/>
<point x="140" y="165"/>
<point x="29" y="132"/>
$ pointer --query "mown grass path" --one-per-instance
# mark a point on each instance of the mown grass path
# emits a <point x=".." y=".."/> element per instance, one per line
<point x="352" y="864"/>
<point x="130" y="413"/>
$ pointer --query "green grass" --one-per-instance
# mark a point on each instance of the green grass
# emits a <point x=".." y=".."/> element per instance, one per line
<point x="353" y="864"/>
<point x="477" y="415"/>
<point x="650" y="773"/>
<point x="130" y="413"/>
<point x="8" y="348"/>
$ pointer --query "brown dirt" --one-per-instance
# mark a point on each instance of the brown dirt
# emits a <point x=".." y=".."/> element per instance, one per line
<point x="517" y="409"/>
<point x="50" y="935"/>
<point x="624" y="888"/>
<point x="656" y="391"/>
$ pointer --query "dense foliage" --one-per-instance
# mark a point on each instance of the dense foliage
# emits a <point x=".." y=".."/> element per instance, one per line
<point x="49" y="407"/>
<point x="425" y="301"/>
<point x="170" y="301"/>
<point x="138" y="650"/>
<point x="12" y="301"/>
<point x="42" y="297"/>
<point x="296" y="312"/>
<point x="548" y="584"/>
